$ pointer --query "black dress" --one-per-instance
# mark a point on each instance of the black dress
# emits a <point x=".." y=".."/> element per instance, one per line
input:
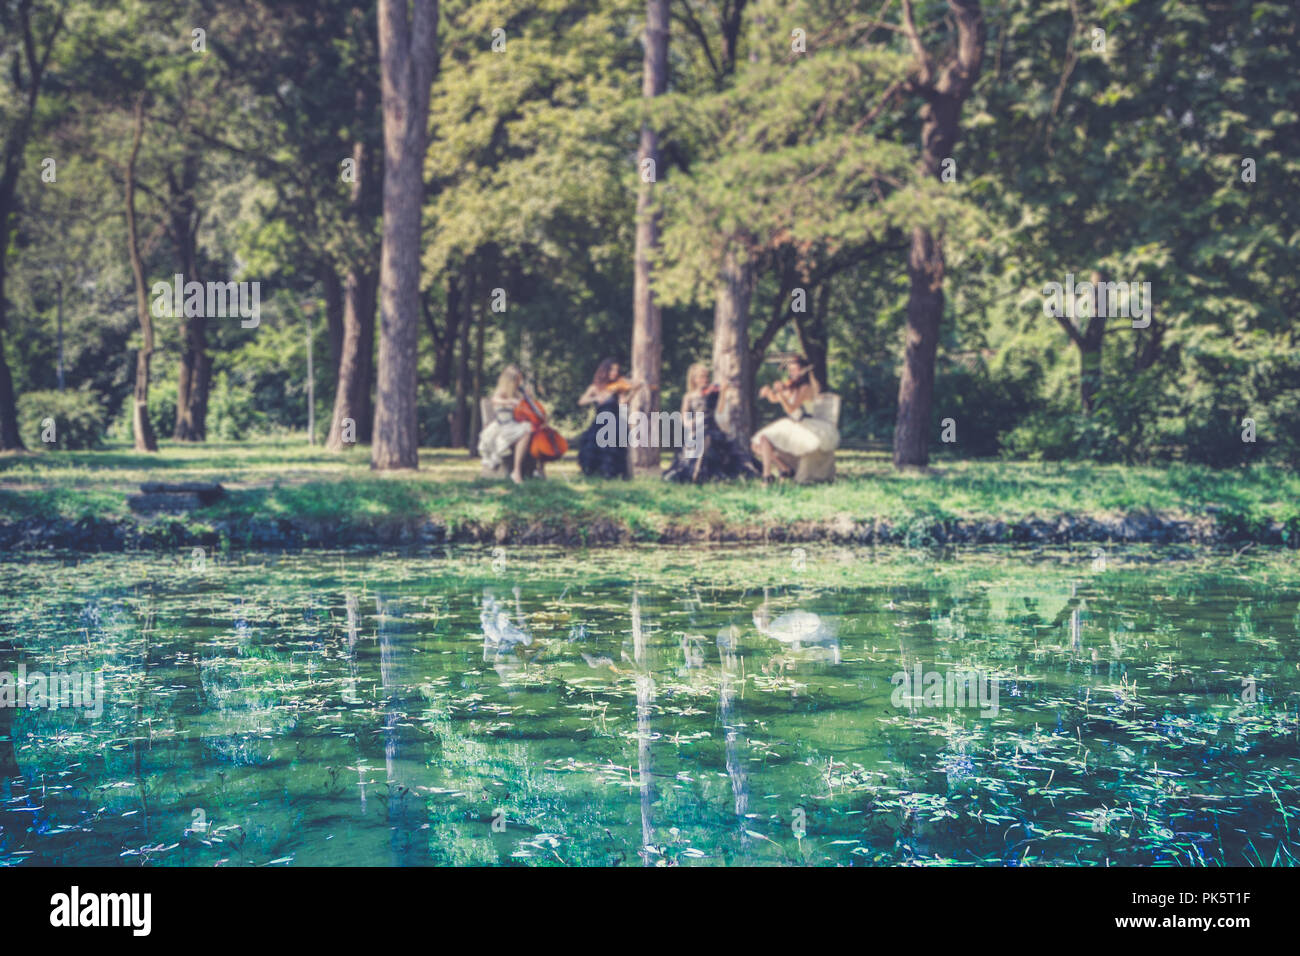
<point x="608" y="462"/>
<point x="721" y="457"/>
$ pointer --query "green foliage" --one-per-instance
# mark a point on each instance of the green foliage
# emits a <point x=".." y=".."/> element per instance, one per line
<point x="77" y="417"/>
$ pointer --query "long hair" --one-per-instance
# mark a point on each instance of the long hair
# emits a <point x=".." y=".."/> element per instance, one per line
<point x="602" y="376"/>
<point x="690" y="374"/>
<point x="508" y="383"/>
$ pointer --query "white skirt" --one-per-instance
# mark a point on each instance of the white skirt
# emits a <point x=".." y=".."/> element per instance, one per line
<point x="498" y="441"/>
<point x="801" y="437"/>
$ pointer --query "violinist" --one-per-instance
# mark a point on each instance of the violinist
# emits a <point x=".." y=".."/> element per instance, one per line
<point x="504" y="438"/>
<point x="781" y="444"/>
<point x="608" y="389"/>
<point x="710" y="454"/>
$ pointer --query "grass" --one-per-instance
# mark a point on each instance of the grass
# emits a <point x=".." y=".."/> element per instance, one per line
<point x="285" y="477"/>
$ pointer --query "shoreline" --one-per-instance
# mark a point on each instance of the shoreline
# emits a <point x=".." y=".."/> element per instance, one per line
<point x="95" y="535"/>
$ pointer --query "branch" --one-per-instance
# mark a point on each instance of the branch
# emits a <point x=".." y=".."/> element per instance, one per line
<point x="924" y="65"/>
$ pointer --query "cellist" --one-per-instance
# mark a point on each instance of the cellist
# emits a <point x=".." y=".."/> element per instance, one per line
<point x="504" y="437"/>
<point x="545" y="443"/>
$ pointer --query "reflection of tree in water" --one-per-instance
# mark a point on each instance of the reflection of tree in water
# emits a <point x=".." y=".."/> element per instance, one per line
<point x="736" y="769"/>
<point x="403" y="808"/>
<point x="645" y="693"/>
<point x="11" y="824"/>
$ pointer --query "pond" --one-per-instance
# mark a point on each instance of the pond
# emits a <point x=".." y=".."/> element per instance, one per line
<point x="655" y="706"/>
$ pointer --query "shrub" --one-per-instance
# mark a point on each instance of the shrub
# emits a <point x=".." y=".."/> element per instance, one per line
<point x="77" y="418"/>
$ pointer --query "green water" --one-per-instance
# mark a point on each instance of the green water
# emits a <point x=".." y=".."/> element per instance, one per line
<point x="659" y="706"/>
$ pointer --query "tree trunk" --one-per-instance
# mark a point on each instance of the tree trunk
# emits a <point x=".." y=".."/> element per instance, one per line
<point x="356" y="362"/>
<point x="408" y="52"/>
<point x="356" y="365"/>
<point x="195" y="367"/>
<point x="647" y="321"/>
<point x="460" y="417"/>
<point x="36" y="60"/>
<point x="943" y="91"/>
<point x="1089" y="344"/>
<point x="1088" y="340"/>
<point x="333" y="288"/>
<point x="141" y="427"/>
<point x="811" y="327"/>
<point x="925" y="267"/>
<point x="475" y="408"/>
<point x="10" y="440"/>
<point x="444" y="340"/>
<point x="732" y="368"/>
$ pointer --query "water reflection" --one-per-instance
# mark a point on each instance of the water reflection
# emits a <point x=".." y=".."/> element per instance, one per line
<point x="805" y="635"/>
<point x="677" y="719"/>
<point x="506" y="643"/>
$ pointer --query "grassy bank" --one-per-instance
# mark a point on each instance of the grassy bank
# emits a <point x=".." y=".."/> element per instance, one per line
<point x="274" y="479"/>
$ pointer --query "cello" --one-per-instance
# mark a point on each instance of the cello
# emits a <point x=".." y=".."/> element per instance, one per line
<point x="546" y="444"/>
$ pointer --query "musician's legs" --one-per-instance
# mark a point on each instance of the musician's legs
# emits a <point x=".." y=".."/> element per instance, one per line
<point x="787" y="464"/>
<point x="521" y="452"/>
<point x="764" y="450"/>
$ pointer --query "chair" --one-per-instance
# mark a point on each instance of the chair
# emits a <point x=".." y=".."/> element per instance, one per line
<point x="820" y="465"/>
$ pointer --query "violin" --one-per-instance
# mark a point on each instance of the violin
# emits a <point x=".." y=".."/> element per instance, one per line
<point x="546" y="443"/>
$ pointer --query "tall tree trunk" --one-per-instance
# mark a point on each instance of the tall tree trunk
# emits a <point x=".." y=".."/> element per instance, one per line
<point x="408" y="51"/>
<point x="1087" y="337"/>
<point x="475" y="409"/>
<point x="356" y="367"/>
<point x="141" y="427"/>
<point x="647" y="321"/>
<point x="732" y="368"/>
<point x="1090" y="342"/>
<point x="195" y="367"/>
<point x="943" y="90"/>
<point x="333" y="288"/>
<point x="925" y="268"/>
<point x="460" y="416"/>
<point x="36" y="57"/>
<point x="10" y="440"/>
<point x="444" y="339"/>
<point x="811" y="327"/>
<point x="356" y="362"/>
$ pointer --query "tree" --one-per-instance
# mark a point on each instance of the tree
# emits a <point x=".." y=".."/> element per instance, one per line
<point x="787" y="184"/>
<point x="943" y="89"/>
<point x="408" y="51"/>
<point x="29" y="71"/>
<point x="647" y="321"/>
<point x="141" y="427"/>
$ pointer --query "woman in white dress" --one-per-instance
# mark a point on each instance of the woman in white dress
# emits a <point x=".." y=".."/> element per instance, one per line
<point x="504" y="439"/>
<point x="781" y="444"/>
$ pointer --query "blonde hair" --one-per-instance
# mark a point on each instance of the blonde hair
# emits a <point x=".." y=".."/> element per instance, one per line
<point x="690" y="374"/>
<point x="508" y="383"/>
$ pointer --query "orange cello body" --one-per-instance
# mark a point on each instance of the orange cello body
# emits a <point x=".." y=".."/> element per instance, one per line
<point x="546" y="444"/>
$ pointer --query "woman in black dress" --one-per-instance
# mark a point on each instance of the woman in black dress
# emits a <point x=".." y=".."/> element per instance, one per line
<point x="607" y="391"/>
<point x="710" y="453"/>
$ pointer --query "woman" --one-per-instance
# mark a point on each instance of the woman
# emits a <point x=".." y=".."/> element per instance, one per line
<point x="504" y="439"/>
<point x="608" y="389"/>
<point x="710" y="453"/>
<point x="781" y="444"/>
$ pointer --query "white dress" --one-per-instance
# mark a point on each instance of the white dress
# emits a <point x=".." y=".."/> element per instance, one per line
<point x="497" y="441"/>
<point x="801" y="434"/>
